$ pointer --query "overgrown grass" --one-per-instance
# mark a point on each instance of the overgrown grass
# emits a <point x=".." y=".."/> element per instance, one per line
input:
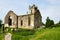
<point x="47" y="34"/>
<point x="35" y="34"/>
<point x="1" y="36"/>
<point x="43" y="34"/>
<point x="22" y="34"/>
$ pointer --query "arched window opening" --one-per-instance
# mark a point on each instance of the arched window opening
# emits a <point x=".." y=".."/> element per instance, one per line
<point x="21" y="22"/>
<point x="10" y="20"/>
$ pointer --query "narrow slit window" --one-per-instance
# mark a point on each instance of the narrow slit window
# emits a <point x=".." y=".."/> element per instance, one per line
<point x="21" y="22"/>
<point x="29" y="21"/>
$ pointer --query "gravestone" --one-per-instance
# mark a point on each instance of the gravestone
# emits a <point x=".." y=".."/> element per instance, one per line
<point x="8" y="36"/>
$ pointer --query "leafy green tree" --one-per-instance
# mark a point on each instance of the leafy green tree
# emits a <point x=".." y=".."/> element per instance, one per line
<point x="52" y="22"/>
<point x="43" y="23"/>
<point x="49" y="22"/>
<point x="59" y="22"/>
<point x="0" y="23"/>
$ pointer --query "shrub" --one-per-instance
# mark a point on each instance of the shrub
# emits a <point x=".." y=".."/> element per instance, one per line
<point x="49" y="22"/>
<point x="24" y="32"/>
<point x="0" y="23"/>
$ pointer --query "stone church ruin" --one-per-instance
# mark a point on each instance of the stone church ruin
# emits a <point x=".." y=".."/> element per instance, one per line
<point x="32" y="19"/>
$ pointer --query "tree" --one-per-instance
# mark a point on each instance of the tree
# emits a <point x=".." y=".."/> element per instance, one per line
<point x="52" y="22"/>
<point x="43" y="23"/>
<point x="59" y="22"/>
<point x="49" y="22"/>
<point x="0" y="23"/>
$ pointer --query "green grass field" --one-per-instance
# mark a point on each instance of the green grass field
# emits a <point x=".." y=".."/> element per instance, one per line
<point x="43" y="34"/>
<point x="36" y="34"/>
<point x="1" y="36"/>
<point x="47" y="34"/>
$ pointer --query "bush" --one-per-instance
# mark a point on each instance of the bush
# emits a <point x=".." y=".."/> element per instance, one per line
<point x="49" y="22"/>
<point x="0" y="23"/>
<point x="24" y="32"/>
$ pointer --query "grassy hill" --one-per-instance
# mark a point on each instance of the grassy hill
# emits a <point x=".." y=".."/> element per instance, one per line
<point x="35" y="34"/>
<point x="47" y="34"/>
<point x="43" y="34"/>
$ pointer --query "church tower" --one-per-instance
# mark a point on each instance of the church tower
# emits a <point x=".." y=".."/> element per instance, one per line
<point x="32" y="9"/>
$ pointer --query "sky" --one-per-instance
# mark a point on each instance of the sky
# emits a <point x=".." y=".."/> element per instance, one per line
<point x="47" y="8"/>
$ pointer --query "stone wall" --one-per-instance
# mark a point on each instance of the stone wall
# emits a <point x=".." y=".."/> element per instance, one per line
<point x="37" y="19"/>
<point x="13" y="17"/>
<point x="23" y="21"/>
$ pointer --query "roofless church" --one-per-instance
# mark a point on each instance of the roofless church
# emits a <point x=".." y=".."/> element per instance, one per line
<point x="32" y="19"/>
